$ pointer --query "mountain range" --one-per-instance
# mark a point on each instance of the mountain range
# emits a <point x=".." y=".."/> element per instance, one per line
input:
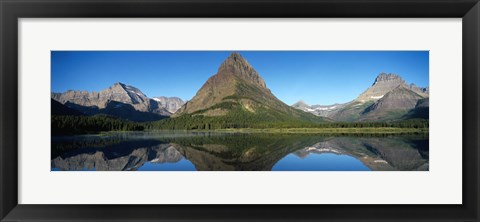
<point x="120" y="100"/>
<point x="389" y="98"/>
<point x="237" y="95"/>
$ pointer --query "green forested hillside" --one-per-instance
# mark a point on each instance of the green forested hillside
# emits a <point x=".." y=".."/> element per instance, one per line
<point x="235" y="118"/>
<point x="238" y="120"/>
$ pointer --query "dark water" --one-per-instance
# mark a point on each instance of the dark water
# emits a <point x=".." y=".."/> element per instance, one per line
<point x="238" y="152"/>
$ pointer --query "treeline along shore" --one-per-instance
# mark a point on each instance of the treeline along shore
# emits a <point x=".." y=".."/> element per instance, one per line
<point x="70" y="125"/>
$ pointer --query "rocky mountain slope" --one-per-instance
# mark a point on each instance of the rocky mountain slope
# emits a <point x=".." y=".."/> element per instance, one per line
<point x="422" y="91"/>
<point x="393" y="105"/>
<point x="237" y="90"/>
<point x="388" y="98"/>
<point x="383" y="84"/>
<point x="171" y="104"/>
<point x="119" y="100"/>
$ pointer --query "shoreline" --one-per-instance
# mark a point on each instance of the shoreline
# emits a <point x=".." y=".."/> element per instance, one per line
<point x="365" y="130"/>
<point x="330" y="131"/>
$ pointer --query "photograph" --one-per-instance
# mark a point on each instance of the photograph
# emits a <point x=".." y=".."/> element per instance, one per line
<point x="239" y="110"/>
<point x="277" y="110"/>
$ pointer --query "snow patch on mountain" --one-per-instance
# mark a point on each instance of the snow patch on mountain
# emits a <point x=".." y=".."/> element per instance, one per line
<point x="376" y="97"/>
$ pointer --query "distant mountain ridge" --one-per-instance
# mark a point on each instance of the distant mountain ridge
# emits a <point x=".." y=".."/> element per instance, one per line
<point x="388" y="98"/>
<point x="120" y="100"/>
<point x="318" y="110"/>
<point x="171" y="104"/>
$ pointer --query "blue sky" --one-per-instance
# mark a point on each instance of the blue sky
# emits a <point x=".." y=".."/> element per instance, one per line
<point x="317" y="77"/>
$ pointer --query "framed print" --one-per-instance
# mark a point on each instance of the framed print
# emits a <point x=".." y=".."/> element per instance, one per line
<point x="270" y="110"/>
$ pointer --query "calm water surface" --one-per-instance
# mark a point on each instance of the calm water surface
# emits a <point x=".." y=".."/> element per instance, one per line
<point x="210" y="151"/>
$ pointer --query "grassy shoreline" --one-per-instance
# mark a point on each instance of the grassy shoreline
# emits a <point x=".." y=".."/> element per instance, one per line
<point x="364" y="130"/>
<point x="330" y="131"/>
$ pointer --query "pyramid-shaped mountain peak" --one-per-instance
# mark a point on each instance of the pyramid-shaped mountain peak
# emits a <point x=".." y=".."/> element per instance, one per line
<point x="236" y="55"/>
<point x="238" y="66"/>
<point x="238" y="91"/>
<point x="235" y="59"/>
<point x="119" y="85"/>
<point x="127" y="88"/>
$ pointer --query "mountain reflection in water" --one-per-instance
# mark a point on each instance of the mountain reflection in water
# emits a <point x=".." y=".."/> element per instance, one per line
<point x="238" y="152"/>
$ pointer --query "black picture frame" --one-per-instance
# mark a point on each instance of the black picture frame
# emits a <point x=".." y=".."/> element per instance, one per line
<point x="12" y="10"/>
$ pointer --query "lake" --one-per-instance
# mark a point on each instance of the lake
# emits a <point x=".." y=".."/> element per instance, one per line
<point x="213" y="151"/>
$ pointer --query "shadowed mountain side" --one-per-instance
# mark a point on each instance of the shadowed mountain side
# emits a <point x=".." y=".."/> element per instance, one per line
<point x="393" y="105"/>
<point x="117" y="109"/>
<point x="117" y="157"/>
<point x="421" y="110"/>
<point x="59" y="109"/>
